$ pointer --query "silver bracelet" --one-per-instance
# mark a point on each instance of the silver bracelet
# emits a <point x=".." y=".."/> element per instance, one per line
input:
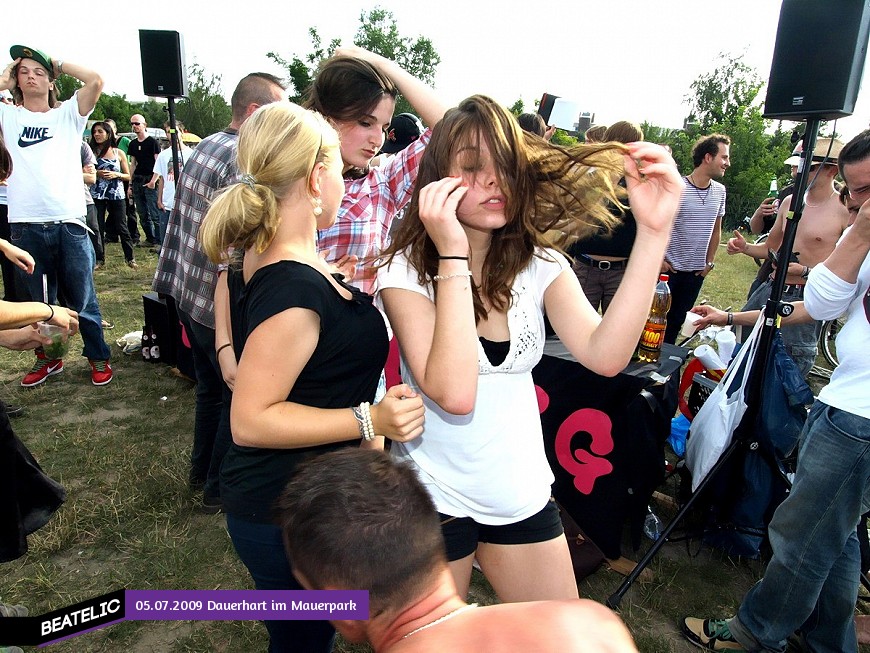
<point x="59" y="65"/>
<point x="457" y="275"/>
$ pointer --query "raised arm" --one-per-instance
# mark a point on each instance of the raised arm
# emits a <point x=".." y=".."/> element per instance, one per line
<point x="605" y="345"/>
<point x="88" y="94"/>
<point x="422" y="97"/>
<point x="439" y="340"/>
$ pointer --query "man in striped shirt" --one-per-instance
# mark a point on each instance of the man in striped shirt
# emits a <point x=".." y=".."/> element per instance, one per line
<point x="698" y="228"/>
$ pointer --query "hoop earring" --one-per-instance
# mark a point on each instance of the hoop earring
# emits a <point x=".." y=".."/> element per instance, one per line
<point x="318" y="206"/>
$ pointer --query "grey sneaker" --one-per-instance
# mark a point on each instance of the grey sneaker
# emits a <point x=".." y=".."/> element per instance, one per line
<point x="13" y="610"/>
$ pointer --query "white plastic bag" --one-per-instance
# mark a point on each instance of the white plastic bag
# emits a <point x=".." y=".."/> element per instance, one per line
<point x="713" y="426"/>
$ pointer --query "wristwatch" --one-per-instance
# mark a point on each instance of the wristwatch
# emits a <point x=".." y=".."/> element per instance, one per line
<point x="711" y="265"/>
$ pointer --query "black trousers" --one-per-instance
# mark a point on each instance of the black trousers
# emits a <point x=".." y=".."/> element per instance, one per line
<point x="685" y="288"/>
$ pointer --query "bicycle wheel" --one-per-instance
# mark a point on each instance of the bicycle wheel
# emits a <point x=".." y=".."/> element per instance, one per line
<point x="828" y="340"/>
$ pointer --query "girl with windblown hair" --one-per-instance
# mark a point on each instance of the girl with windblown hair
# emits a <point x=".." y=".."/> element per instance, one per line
<point x="466" y="283"/>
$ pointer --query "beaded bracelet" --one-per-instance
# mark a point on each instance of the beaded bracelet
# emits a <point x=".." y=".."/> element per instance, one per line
<point x="445" y="277"/>
<point x="363" y="415"/>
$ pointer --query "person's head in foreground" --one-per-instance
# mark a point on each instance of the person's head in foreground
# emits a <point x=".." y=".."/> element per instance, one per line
<point x="356" y="519"/>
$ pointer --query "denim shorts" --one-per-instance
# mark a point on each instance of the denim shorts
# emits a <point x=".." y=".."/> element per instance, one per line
<point x="462" y="534"/>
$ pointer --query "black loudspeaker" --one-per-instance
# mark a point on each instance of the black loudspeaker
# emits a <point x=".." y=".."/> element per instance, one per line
<point x="818" y="60"/>
<point x="164" y="73"/>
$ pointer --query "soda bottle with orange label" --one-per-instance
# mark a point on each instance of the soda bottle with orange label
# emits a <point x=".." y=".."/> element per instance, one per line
<point x="654" y="331"/>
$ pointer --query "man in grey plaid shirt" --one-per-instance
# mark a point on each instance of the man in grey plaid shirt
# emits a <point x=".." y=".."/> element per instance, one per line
<point x="185" y="273"/>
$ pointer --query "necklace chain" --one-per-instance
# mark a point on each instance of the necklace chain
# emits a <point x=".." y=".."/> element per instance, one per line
<point x="441" y="619"/>
<point x="703" y="197"/>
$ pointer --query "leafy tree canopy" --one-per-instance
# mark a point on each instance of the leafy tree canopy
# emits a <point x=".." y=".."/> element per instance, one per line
<point x="726" y="101"/>
<point x="379" y="33"/>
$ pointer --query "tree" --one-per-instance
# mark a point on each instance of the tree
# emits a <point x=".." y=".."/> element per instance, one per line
<point x="726" y="101"/>
<point x="301" y="72"/>
<point x="117" y="107"/>
<point x="205" y="111"/>
<point x="517" y="107"/>
<point x="65" y="86"/>
<point x="724" y="95"/>
<point x="377" y="32"/>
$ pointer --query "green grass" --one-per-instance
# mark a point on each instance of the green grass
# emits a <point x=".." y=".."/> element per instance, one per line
<point x="129" y="521"/>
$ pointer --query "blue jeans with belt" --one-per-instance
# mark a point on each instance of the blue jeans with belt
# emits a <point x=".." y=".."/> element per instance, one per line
<point x="811" y="583"/>
<point x="63" y="252"/>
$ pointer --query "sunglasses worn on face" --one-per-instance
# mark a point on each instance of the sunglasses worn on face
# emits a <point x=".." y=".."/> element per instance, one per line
<point x="135" y="123"/>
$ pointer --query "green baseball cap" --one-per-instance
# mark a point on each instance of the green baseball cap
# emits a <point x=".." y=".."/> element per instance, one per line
<point x="38" y="56"/>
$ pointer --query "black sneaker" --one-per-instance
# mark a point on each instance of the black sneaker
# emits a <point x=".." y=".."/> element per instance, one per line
<point x="211" y="505"/>
<point x="14" y="411"/>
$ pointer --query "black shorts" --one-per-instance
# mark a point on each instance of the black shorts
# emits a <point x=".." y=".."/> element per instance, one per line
<point x="462" y="534"/>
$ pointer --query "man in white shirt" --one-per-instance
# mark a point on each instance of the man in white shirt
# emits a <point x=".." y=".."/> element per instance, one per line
<point x="164" y="175"/>
<point x="811" y="583"/>
<point x="46" y="204"/>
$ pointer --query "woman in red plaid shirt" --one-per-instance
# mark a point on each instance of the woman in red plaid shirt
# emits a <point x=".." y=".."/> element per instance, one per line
<point x="356" y="91"/>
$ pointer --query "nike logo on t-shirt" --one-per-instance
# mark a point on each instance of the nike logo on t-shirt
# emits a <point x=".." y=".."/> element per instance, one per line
<point x="33" y="135"/>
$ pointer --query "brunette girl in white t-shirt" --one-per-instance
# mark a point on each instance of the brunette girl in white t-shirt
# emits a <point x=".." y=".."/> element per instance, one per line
<point x="466" y="284"/>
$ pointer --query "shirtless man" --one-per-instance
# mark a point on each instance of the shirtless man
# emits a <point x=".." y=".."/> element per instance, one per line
<point x="356" y="519"/>
<point x="823" y="221"/>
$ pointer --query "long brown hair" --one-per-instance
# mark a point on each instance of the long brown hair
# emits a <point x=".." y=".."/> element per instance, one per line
<point x="5" y="159"/>
<point x="548" y="189"/>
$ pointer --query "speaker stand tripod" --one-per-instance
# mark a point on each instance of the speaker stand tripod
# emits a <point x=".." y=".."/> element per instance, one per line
<point x="744" y="436"/>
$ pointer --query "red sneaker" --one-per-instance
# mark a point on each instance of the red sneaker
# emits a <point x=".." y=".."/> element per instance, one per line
<point x="101" y="372"/>
<point x="41" y="370"/>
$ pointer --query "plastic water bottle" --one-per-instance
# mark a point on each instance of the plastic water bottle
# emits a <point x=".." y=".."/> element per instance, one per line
<point x="652" y="525"/>
<point x="654" y="331"/>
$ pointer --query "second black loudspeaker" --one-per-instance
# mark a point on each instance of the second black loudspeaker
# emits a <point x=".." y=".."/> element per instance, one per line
<point x="164" y="73"/>
<point x="819" y="58"/>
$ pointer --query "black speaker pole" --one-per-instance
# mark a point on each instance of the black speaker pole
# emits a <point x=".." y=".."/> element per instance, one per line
<point x="173" y="137"/>
<point x="744" y="434"/>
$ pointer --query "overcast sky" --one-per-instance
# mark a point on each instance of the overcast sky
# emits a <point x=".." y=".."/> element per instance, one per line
<point x="621" y="59"/>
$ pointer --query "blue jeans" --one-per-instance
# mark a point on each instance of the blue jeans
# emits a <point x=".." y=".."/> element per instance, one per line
<point x="261" y="549"/>
<point x="811" y="583"/>
<point x="64" y="253"/>
<point x="146" y="207"/>
<point x="164" y="223"/>
<point x="800" y="340"/>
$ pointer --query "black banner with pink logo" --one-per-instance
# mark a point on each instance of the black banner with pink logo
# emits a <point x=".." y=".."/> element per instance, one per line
<point x="605" y="440"/>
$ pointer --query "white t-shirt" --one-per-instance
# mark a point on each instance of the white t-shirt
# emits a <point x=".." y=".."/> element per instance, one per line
<point x="163" y="167"/>
<point x="46" y="180"/>
<point x="827" y="297"/>
<point x="489" y="465"/>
